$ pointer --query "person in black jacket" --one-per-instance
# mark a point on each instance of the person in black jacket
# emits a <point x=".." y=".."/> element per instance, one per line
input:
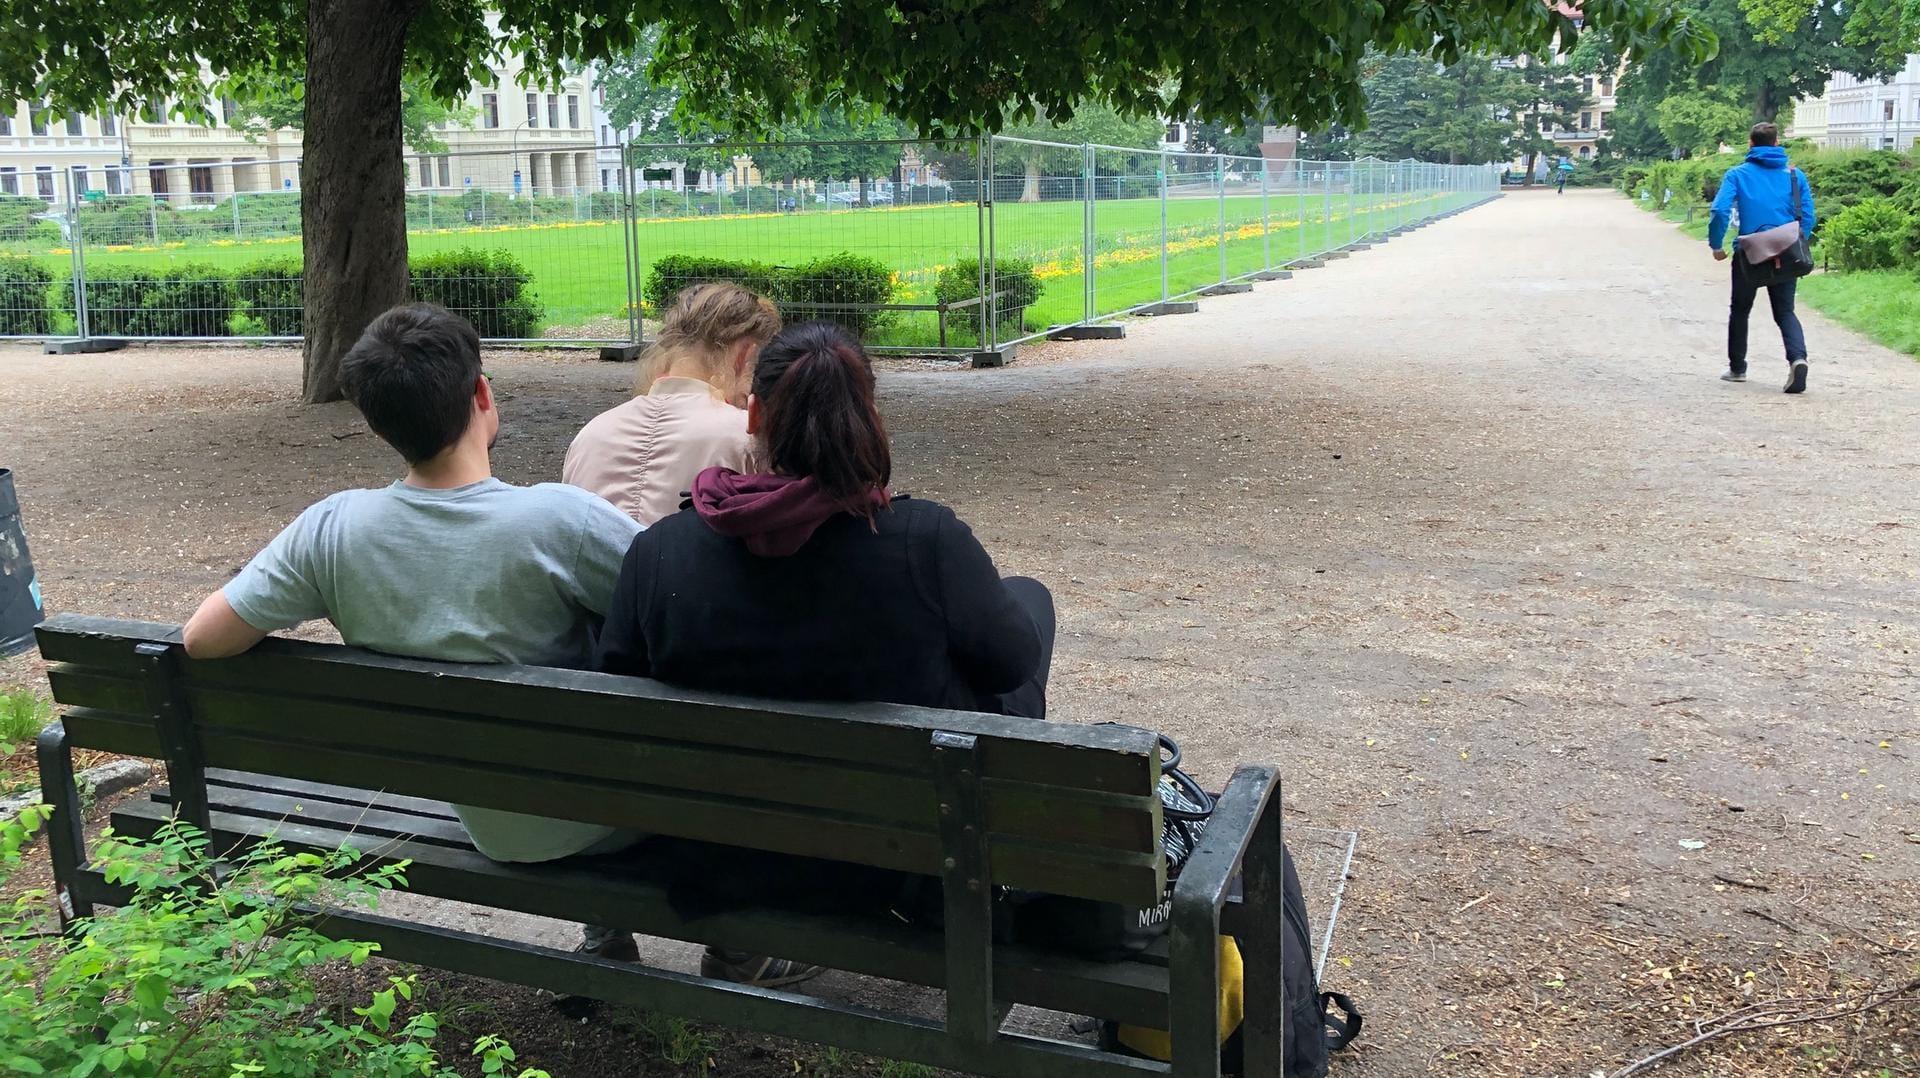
<point x="814" y="581"/>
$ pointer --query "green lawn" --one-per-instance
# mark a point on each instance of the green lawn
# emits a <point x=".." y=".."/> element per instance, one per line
<point x="579" y="267"/>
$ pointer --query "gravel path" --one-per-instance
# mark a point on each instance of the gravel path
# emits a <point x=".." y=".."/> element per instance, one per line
<point x="1610" y="663"/>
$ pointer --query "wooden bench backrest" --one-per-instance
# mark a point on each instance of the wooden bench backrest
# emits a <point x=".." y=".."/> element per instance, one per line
<point x="1071" y="810"/>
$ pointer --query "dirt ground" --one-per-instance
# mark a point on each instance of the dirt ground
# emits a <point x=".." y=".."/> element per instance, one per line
<point x="1610" y="663"/>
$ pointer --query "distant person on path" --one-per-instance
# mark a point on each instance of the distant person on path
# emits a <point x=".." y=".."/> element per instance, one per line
<point x="642" y="455"/>
<point x="1560" y="176"/>
<point x="1768" y="193"/>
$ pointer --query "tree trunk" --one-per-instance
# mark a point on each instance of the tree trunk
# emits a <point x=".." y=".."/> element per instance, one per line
<point x="1766" y="108"/>
<point x="1031" y="193"/>
<point x="1533" y="158"/>
<point x="865" y="195"/>
<point x="353" y="201"/>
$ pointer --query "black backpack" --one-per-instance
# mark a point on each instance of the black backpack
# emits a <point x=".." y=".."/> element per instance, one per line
<point x="1311" y="1033"/>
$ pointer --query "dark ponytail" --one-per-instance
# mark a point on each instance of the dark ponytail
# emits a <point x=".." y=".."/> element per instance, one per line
<point x="818" y="419"/>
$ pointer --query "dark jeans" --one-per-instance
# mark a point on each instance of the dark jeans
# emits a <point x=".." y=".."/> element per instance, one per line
<point x="1029" y="701"/>
<point x="1780" y="298"/>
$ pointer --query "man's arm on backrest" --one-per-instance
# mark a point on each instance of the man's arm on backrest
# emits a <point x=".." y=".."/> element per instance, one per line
<point x="216" y="632"/>
<point x="278" y="589"/>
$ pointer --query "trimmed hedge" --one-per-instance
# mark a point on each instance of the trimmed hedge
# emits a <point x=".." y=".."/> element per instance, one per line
<point x="799" y="291"/>
<point x="487" y="288"/>
<point x="24" y="287"/>
<point x="1013" y="275"/>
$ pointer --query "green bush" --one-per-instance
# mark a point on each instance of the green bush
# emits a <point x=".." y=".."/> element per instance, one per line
<point x="488" y="288"/>
<point x="842" y="278"/>
<point x="1872" y="235"/>
<point x="189" y="300"/>
<point x="25" y="288"/>
<point x="1014" y="276"/>
<point x="207" y="969"/>
<point x="801" y="292"/>
<point x="18" y="226"/>
<point x="272" y="294"/>
<point x="674" y="274"/>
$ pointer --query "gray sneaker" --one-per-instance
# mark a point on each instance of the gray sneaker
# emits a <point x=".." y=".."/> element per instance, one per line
<point x="1797" y="377"/>
<point x="1734" y="376"/>
<point x="757" y="970"/>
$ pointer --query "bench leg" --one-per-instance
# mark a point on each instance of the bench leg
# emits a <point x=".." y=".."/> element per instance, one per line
<point x="1193" y="981"/>
<point x="1262" y="945"/>
<point x="66" y="831"/>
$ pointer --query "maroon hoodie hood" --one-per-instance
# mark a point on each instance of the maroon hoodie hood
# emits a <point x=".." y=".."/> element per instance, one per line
<point x="774" y="514"/>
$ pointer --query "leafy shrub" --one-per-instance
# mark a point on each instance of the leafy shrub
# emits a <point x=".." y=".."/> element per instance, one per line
<point x="190" y="300"/>
<point x="1845" y="178"/>
<point x="272" y="293"/>
<point x="804" y="292"/>
<point x="1872" y="235"/>
<point x="488" y="288"/>
<point x="206" y="974"/>
<point x="25" y="286"/>
<point x="674" y="274"/>
<point x="1013" y="276"/>
<point x="18" y="226"/>
<point x="835" y="279"/>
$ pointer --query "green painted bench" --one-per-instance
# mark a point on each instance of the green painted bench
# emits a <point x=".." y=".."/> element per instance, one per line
<point x="314" y="744"/>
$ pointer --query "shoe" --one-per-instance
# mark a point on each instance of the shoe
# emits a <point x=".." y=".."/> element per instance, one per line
<point x="1797" y="377"/>
<point x="759" y="971"/>
<point x="620" y="948"/>
<point x="1734" y="376"/>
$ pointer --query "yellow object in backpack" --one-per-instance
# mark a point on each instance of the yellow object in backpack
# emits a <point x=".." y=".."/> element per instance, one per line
<point x="1158" y="1044"/>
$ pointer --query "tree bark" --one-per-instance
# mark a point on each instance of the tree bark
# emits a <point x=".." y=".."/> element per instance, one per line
<point x="353" y="203"/>
<point x="1031" y="193"/>
<point x="1766" y="108"/>
<point x="1533" y="157"/>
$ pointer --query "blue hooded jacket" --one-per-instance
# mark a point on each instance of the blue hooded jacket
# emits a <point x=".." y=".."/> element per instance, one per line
<point x="1766" y="191"/>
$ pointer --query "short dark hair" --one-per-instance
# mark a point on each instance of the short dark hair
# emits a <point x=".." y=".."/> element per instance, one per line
<point x="1764" y="134"/>
<point x="817" y="413"/>
<point x="412" y="375"/>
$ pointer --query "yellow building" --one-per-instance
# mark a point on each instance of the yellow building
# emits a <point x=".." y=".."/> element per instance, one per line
<point x="40" y="153"/>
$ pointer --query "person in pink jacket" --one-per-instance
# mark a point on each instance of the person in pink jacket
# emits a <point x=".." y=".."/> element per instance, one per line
<point x="642" y="455"/>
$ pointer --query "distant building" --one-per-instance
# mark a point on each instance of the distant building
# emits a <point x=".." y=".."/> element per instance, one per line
<point x="1810" y="120"/>
<point x="1592" y="121"/>
<point x="36" y="152"/>
<point x="1873" y="114"/>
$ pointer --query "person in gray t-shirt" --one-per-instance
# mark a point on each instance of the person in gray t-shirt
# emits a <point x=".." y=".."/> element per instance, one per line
<point x="449" y="563"/>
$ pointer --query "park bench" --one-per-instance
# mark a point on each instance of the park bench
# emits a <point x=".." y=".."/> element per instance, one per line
<point x="319" y="745"/>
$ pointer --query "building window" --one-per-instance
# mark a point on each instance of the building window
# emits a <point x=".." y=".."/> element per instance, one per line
<point x="6" y="124"/>
<point x="1176" y="134"/>
<point x="200" y="180"/>
<point x="553" y="110"/>
<point x="1606" y="87"/>
<point x="1586" y="151"/>
<point x="157" y="178"/>
<point x="490" y="110"/>
<point x="426" y="171"/>
<point x="573" y="111"/>
<point x="228" y="108"/>
<point x="39" y="118"/>
<point x="1586" y="121"/>
<point x="76" y="125"/>
<point x="1586" y="85"/>
<point x="153" y="112"/>
<point x="113" y="181"/>
<point x="109" y="125"/>
<point x="80" y="184"/>
<point x="1886" y="110"/>
<point x="606" y="136"/>
<point x="9" y="182"/>
<point x="43" y="181"/>
<point x="446" y="172"/>
<point x="533" y="110"/>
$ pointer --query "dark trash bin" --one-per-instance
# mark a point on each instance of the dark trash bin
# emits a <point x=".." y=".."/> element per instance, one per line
<point x="20" y="606"/>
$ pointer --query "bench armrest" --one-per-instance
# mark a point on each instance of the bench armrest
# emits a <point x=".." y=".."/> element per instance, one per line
<point x="1202" y="886"/>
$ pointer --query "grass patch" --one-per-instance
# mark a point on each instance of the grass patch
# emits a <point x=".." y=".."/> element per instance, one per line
<point x="22" y="715"/>
<point x="579" y="268"/>
<point x="1883" y="304"/>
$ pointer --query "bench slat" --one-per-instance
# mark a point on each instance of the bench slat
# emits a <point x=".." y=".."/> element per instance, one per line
<point x="1133" y="992"/>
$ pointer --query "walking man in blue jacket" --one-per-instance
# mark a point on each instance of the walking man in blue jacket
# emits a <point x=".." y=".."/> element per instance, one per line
<point x="1769" y="193"/>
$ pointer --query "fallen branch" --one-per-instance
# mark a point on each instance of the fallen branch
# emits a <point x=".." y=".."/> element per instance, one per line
<point x="1748" y="1019"/>
<point x="1472" y="904"/>
<point x="1748" y="884"/>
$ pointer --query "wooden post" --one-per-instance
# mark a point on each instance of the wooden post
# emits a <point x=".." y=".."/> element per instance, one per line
<point x="968" y="889"/>
<point x="186" y="773"/>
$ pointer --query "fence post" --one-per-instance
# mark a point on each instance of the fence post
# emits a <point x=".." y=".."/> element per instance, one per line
<point x="236" y="214"/>
<point x="153" y="214"/>
<point x="1300" y="207"/>
<point x="1353" y="222"/>
<point x="1266" y="223"/>
<point x="429" y="211"/>
<point x="1326" y="203"/>
<point x="630" y="248"/>
<point x="1086" y="245"/>
<point x="74" y="244"/>
<point x="1220" y="184"/>
<point x="1164" y="295"/>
